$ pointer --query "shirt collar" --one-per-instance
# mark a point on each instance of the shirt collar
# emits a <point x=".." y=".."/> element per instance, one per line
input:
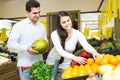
<point x="29" y="21"/>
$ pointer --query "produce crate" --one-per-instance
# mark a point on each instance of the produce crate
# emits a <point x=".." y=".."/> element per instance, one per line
<point x="78" y="78"/>
<point x="84" y="77"/>
<point x="9" y="72"/>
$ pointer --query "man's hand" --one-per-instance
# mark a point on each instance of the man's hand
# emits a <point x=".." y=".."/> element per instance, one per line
<point x="31" y="51"/>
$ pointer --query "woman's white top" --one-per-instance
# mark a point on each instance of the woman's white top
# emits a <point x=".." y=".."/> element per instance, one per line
<point x="70" y="45"/>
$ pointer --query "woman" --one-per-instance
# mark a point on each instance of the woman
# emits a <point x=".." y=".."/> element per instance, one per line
<point x="65" y="39"/>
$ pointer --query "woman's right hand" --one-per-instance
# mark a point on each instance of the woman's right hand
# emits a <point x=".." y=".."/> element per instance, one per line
<point x="80" y="60"/>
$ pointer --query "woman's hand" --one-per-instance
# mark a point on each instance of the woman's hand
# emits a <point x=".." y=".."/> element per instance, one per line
<point x="31" y="51"/>
<point x="80" y="60"/>
<point x="97" y="54"/>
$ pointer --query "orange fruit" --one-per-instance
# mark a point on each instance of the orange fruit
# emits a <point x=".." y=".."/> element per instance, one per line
<point x="82" y="72"/>
<point x="90" y="61"/>
<point x="97" y="60"/>
<point x="104" y="61"/>
<point x="75" y="73"/>
<point x="66" y="75"/>
<point x="106" y="55"/>
<point x="118" y="58"/>
<point x="81" y="68"/>
<point x="110" y="57"/>
<point x="89" y="71"/>
<point x="88" y="68"/>
<point x="75" y="68"/>
<point x="69" y="69"/>
<point x="114" y="61"/>
<point x="95" y="68"/>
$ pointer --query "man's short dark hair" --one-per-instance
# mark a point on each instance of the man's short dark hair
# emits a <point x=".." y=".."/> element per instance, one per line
<point x="31" y="3"/>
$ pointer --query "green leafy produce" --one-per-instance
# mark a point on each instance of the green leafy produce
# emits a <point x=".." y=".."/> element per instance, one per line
<point x="4" y="55"/>
<point x="78" y="52"/>
<point x="41" y="71"/>
<point x="94" y="42"/>
<point x="117" y="45"/>
<point x="106" y="47"/>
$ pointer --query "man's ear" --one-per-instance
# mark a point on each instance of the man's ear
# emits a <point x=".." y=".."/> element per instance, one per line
<point x="27" y="12"/>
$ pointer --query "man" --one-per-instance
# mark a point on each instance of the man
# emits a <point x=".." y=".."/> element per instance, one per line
<point x="23" y="34"/>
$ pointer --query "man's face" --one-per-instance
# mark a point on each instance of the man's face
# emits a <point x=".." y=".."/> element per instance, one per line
<point x="34" y="14"/>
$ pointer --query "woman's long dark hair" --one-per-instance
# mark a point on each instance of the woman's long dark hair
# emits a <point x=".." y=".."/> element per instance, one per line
<point x="61" y="32"/>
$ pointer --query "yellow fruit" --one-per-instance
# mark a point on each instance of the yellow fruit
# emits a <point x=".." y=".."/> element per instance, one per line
<point x="97" y="60"/>
<point x="104" y="68"/>
<point x="104" y="61"/>
<point x="95" y="68"/>
<point x="113" y="74"/>
<point x="90" y="61"/>
<point x="118" y="58"/>
<point x="40" y="45"/>
<point x="75" y="73"/>
<point x="66" y="75"/>
<point x="107" y="75"/>
<point x="114" y="61"/>
<point x="69" y="69"/>
<point x="82" y="73"/>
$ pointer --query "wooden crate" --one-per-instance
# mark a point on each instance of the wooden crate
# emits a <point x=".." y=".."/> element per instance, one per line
<point x="9" y="72"/>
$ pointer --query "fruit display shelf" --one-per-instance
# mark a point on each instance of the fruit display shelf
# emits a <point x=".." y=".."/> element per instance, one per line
<point x="85" y="77"/>
<point x="8" y="54"/>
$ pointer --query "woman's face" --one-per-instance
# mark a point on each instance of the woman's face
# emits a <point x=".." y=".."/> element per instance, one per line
<point x="65" y="22"/>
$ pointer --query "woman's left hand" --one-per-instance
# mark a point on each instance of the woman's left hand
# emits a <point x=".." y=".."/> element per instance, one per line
<point x="97" y="54"/>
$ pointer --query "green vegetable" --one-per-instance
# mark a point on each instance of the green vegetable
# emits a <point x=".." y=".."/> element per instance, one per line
<point x="41" y="71"/>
